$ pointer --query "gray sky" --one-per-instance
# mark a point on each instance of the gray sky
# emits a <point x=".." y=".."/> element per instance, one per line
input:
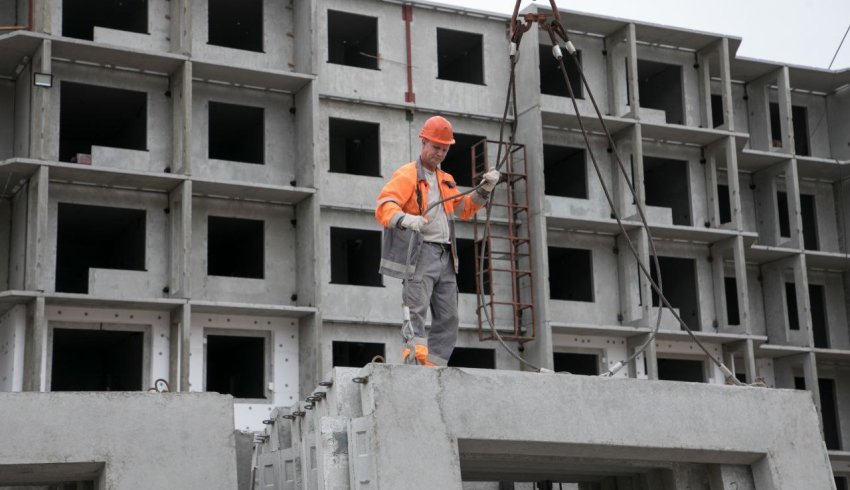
<point x="797" y="32"/>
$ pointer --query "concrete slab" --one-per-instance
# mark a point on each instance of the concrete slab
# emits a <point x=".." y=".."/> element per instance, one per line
<point x="141" y="440"/>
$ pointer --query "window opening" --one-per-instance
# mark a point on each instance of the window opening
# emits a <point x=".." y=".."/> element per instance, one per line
<point x="666" y="183"/>
<point x="458" y="161"/>
<point x="236" y="133"/>
<point x="352" y="40"/>
<point x="103" y="116"/>
<point x="237" y="25"/>
<point x="660" y="87"/>
<point x="818" y="312"/>
<point x="236" y="365"/>
<point x="829" y="413"/>
<point x="471" y="357"/>
<point x="576" y="363"/>
<point x="775" y="126"/>
<point x="570" y="274"/>
<point x="551" y="78"/>
<point x="784" y="219"/>
<point x="355" y="257"/>
<point x="733" y="316"/>
<point x="79" y="17"/>
<point x="355" y="354"/>
<point x="354" y="147"/>
<point x="565" y="171"/>
<point x="235" y="247"/>
<point x="800" y="119"/>
<point x="96" y="237"/>
<point x="460" y="57"/>
<point x="681" y="370"/>
<point x="466" y="277"/>
<point x="808" y="212"/>
<point x="723" y="204"/>
<point x="717" y="110"/>
<point x="96" y="360"/>
<point x="679" y="286"/>
<point x="791" y="303"/>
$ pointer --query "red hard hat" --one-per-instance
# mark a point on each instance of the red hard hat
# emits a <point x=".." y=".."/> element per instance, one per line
<point x="439" y="130"/>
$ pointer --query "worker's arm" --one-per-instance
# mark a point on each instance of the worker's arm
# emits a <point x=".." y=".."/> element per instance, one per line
<point x="467" y="206"/>
<point x="391" y="200"/>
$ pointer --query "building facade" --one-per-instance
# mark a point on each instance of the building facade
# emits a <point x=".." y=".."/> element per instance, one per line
<point x="187" y="193"/>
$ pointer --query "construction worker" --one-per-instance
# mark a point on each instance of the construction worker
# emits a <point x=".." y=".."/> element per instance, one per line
<point x="428" y="266"/>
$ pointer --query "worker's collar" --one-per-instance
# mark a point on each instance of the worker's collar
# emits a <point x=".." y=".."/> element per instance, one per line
<point x="422" y="171"/>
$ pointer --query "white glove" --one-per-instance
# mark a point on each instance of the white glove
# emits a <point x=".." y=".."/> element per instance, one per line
<point x="491" y="178"/>
<point x="412" y="222"/>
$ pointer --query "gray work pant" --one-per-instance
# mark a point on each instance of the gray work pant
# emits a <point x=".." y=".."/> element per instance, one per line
<point x="434" y="284"/>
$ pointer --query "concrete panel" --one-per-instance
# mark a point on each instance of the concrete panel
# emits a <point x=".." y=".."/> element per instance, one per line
<point x="159" y="120"/>
<point x="838" y="105"/>
<point x="743" y="426"/>
<point x="609" y="349"/>
<point x="5" y="245"/>
<point x="22" y="118"/>
<point x="593" y="65"/>
<point x="13" y="326"/>
<point x="604" y="308"/>
<point x="18" y="239"/>
<point x="278" y="46"/>
<point x="7" y="120"/>
<point x="156" y="38"/>
<point x="279" y="137"/>
<point x="145" y="284"/>
<point x="193" y="436"/>
<point x="282" y="363"/>
<point x="279" y="280"/>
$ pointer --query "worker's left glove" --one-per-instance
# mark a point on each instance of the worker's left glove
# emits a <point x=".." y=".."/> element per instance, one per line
<point x="490" y="179"/>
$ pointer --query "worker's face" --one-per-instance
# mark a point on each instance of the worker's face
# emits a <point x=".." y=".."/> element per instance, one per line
<point x="432" y="153"/>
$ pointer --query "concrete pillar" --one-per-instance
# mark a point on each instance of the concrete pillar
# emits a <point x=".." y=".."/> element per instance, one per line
<point x="181" y="119"/>
<point x="36" y="349"/>
<point x="41" y="123"/>
<point x="181" y="27"/>
<point x="180" y="246"/>
<point x="37" y="233"/>
<point x="726" y="85"/>
<point x="179" y="347"/>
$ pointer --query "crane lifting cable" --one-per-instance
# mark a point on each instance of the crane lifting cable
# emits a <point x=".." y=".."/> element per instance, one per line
<point x="519" y="25"/>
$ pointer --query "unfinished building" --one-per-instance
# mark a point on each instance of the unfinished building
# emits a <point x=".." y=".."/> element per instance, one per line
<point x="187" y="193"/>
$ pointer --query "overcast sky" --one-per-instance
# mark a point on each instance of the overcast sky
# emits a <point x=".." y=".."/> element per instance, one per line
<point x="797" y="32"/>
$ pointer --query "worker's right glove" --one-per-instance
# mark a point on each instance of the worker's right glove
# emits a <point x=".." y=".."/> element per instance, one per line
<point x="412" y="222"/>
<point x="490" y="179"/>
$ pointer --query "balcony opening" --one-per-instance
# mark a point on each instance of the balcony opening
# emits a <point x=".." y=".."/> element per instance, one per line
<point x="79" y="17"/>
<point x="237" y="25"/>
<point x="782" y="209"/>
<point x="355" y="257"/>
<point x="829" y="412"/>
<point x="565" y="171"/>
<point x="717" y="110"/>
<point x="679" y="284"/>
<point x="808" y="213"/>
<point x="660" y="88"/>
<point x="818" y="312"/>
<point x="733" y="316"/>
<point x="467" y="266"/>
<point x="99" y="237"/>
<point x="791" y="303"/>
<point x="355" y="147"/>
<point x="681" y="370"/>
<point x="576" y="363"/>
<point x="103" y="116"/>
<point x="666" y="183"/>
<point x="799" y="117"/>
<point x="460" y="56"/>
<point x="236" y="365"/>
<point x="235" y="247"/>
<point x="96" y="360"/>
<point x="352" y="40"/>
<point x="356" y="354"/>
<point x="551" y="78"/>
<point x="236" y="133"/>
<point x="459" y="158"/>
<point x="775" y="126"/>
<point x="570" y="274"/>
<point x="841" y="483"/>
<point x="723" y="204"/>
<point x="471" y="357"/>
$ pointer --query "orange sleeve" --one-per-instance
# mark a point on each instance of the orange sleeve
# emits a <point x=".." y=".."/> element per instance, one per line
<point x="391" y="200"/>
